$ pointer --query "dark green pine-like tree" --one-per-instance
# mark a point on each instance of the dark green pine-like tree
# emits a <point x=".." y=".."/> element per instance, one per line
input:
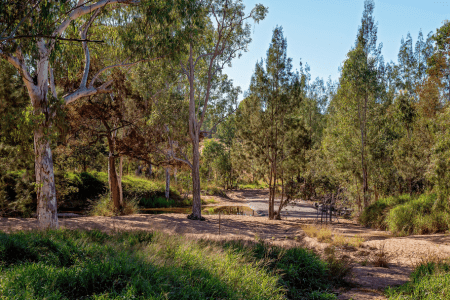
<point x="265" y="119"/>
<point x="351" y="131"/>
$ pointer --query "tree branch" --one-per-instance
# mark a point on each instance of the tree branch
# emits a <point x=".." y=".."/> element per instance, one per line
<point x="184" y="70"/>
<point x="87" y="56"/>
<point x="82" y="10"/>
<point x="54" y="38"/>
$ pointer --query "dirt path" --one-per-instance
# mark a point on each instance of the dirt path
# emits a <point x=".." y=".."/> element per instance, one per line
<point x="402" y="253"/>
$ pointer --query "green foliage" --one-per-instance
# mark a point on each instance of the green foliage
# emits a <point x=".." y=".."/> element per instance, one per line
<point x="429" y="280"/>
<point x="419" y="216"/>
<point x="76" y="189"/>
<point x="17" y="192"/>
<point x="77" y="264"/>
<point x="302" y="273"/>
<point x="139" y="187"/>
<point x="252" y="186"/>
<point x="216" y="163"/>
<point x="375" y="214"/>
<point x="404" y="215"/>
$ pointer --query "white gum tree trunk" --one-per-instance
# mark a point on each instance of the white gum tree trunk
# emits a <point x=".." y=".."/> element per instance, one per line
<point x="45" y="181"/>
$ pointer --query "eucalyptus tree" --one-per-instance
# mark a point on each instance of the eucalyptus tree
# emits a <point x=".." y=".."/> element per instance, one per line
<point x="223" y="34"/>
<point x="34" y="56"/>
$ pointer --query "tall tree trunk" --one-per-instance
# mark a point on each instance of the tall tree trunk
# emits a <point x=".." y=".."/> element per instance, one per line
<point x="271" y="193"/>
<point x="149" y="171"/>
<point x="197" y="202"/>
<point x="114" y="183"/>
<point x="167" y="193"/>
<point x="362" y="124"/>
<point x="120" y="181"/>
<point x="194" y="134"/>
<point x="175" y="175"/>
<point x="45" y="181"/>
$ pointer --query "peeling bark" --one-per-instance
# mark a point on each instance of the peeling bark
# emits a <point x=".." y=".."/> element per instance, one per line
<point x="45" y="180"/>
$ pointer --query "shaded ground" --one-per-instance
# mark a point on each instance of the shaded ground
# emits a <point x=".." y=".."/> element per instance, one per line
<point x="402" y="253"/>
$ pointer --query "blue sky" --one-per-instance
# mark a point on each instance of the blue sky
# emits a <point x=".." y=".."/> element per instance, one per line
<point x="321" y="32"/>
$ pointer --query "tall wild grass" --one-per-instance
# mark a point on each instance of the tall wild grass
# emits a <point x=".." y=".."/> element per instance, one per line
<point x="74" y="264"/>
<point x="403" y="215"/>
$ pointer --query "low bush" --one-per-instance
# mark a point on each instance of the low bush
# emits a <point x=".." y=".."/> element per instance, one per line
<point x="403" y="215"/>
<point x="73" y="264"/>
<point x="105" y="207"/>
<point x="74" y="189"/>
<point x="17" y="195"/>
<point x="430" y="280"/>
<point x="418" y="216"/>
<point x="375" y="214"/>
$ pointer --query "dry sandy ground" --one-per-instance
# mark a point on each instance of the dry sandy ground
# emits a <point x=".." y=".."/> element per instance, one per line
<point x="369" y="281"/>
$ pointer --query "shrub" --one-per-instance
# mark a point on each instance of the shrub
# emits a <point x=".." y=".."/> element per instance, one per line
<point x="418" y="216"/>
<point x="105" y="207"/>
<point x="74" y="189"/>
<point x="375" y="214"/>
<point x="403" y="215"/>
<point x="17" y="194"/>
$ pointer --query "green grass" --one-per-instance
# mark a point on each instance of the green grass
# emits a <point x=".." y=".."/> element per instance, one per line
<point x="139" y="187"/>
<point x="252" y="186"/>
<point x="74" y="264"/>
<point x="430" y="280"/>
<point x="403" y="215"/>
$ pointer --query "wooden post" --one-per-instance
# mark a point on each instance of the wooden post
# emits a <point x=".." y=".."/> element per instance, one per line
<point x="219" y="222"/>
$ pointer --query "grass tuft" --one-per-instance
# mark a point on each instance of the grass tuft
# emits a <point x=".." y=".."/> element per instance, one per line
<point x="105" y="207"/>
<point x="429" y="280"/>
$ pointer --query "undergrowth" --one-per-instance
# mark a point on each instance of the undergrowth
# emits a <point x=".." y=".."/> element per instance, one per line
<point x="75" y="264"/>
<point x="105" y="207"/>
<point x="404" y="215"/>
<point x="430" y="280"/>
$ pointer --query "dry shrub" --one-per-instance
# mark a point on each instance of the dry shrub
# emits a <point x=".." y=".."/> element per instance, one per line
<point x="337" y="267"/>
<point x="325" y="234"/>
<point x="322" y="233"/>
<point x="381" y="258"/>
<point x="105" y="207"/>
